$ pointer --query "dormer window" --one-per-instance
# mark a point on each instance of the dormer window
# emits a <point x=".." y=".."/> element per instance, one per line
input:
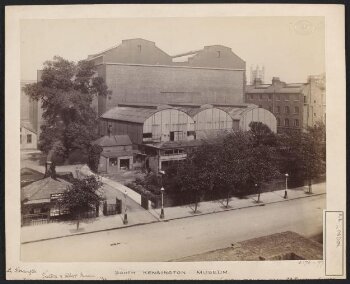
<point x="139" y="47"/>
<point x="218" y="54"/>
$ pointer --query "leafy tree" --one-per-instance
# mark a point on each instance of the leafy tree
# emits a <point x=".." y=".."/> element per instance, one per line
<point x="208" y="159"/>
<point x="311" y="157"/>
<point x="303" y="155"/>
<point x="262" y="157"/>
<point x="261" y="134"/>
<point x="81" y="197"/>
<point x="318" y="134"/>
<point x="66" y="91"/>
<point x="192" y="179"/>
<point x="94" y="157"/>
<point x="233" y="171"/>
<point x="262" y="166"/>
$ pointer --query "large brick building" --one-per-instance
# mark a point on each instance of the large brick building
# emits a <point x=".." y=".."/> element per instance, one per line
<point x="296" y="106"/>
<point x="137" y="71"/>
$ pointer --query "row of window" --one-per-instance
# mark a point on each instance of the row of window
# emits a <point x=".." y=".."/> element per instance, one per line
<point x="172" y="152"/>
<point x="286" y="109"/>
<point x="174" y="135"/>
<point x="278" y="97"/>
<point x="287" y="122"/>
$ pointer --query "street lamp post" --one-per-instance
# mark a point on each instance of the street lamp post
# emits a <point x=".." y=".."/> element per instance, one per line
<point x="258" y="190"/>
<point x="125" y="220"/>
<point x="162" y="209"/>
<point x="285" y="191"/>
<point x="162" y="193"/>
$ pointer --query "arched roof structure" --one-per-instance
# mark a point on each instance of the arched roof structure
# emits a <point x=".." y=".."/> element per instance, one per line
<point x="133" y="114"/>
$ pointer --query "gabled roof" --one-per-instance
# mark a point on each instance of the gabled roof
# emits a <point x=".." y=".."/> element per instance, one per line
<point x="113" y="140"/>
<point x="101" y="53"/>
<point x="27" y="125"/>
<point x="115" y="154"/>
<point x="42" y="189"/>
<point x="29" y="175"/>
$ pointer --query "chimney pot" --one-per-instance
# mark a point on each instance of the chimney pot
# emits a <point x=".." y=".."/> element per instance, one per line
<point x="276" y="80"/>
<point x="257" y="81"/>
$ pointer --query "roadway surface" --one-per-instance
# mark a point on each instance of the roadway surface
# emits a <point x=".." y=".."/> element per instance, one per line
<point x="166" y="241"/>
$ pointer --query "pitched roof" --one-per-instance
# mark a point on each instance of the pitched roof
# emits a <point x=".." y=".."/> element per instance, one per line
<point x="115" y="154"/>
<point x="27" y="125"/>
<point x="29" y="175"/>
<point x="114" y="140"/>
<point x="101" y="53"/>
<point x="42" y="189"/>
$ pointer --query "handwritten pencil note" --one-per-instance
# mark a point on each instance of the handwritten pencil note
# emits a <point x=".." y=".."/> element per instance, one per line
<point x="334" y="243"/>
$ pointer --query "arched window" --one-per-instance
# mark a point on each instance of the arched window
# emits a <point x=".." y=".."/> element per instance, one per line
<point x="296" y="122"/>
<point x="286" y="122"/>
<point x="278" y="121"/>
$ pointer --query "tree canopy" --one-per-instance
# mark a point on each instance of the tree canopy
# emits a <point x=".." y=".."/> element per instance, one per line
<point x="81" y="197"/>
<point x="303" y="154"/>
<point x="66" y="91"/>
<point x="238" y="159"/>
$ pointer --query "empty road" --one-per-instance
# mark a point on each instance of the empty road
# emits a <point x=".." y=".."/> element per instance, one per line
<point x="166" y="241"/>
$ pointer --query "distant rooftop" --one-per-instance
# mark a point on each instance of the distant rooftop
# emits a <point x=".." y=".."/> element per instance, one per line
<point x="113" y="140"/>
<point x="42" y="189"/>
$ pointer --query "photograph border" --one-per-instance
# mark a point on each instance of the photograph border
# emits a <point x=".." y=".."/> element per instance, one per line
<point x="336" y="199"/>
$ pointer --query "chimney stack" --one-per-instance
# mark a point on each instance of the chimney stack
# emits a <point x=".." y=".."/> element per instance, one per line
<point x="275" y="80"/>
<point x="257" y="81"/>
<point x="50" y="167"/>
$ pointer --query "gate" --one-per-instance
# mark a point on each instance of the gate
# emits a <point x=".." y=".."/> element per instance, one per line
<point x="112" y="208"/>
<point x="144" y="202"/>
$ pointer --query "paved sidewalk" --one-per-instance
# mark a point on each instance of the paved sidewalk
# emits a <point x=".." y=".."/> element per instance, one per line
<point x="215" y="206"/>
<point x="57" y="230"/>
<point x="68" y="228"/>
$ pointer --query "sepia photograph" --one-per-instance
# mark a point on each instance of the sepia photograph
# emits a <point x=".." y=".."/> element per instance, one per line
<point x="172" y="139"/>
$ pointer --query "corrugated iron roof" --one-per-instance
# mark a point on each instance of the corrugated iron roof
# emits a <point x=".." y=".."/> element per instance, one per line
<point x="130" y="114"/>
<point x="192" y="111"/>
<point x="114" y="140"/>
<point x="237" y="112"/>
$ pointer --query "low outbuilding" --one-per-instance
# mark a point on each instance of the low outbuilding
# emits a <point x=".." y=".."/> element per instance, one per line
<point x="39" y="200"/>
<point x="117" y="153"/>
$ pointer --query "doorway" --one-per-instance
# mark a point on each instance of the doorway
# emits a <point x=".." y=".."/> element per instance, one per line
<point x="124" y="164"/>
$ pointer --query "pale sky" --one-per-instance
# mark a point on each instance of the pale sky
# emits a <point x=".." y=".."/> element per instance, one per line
<point x="289" y="47"/>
